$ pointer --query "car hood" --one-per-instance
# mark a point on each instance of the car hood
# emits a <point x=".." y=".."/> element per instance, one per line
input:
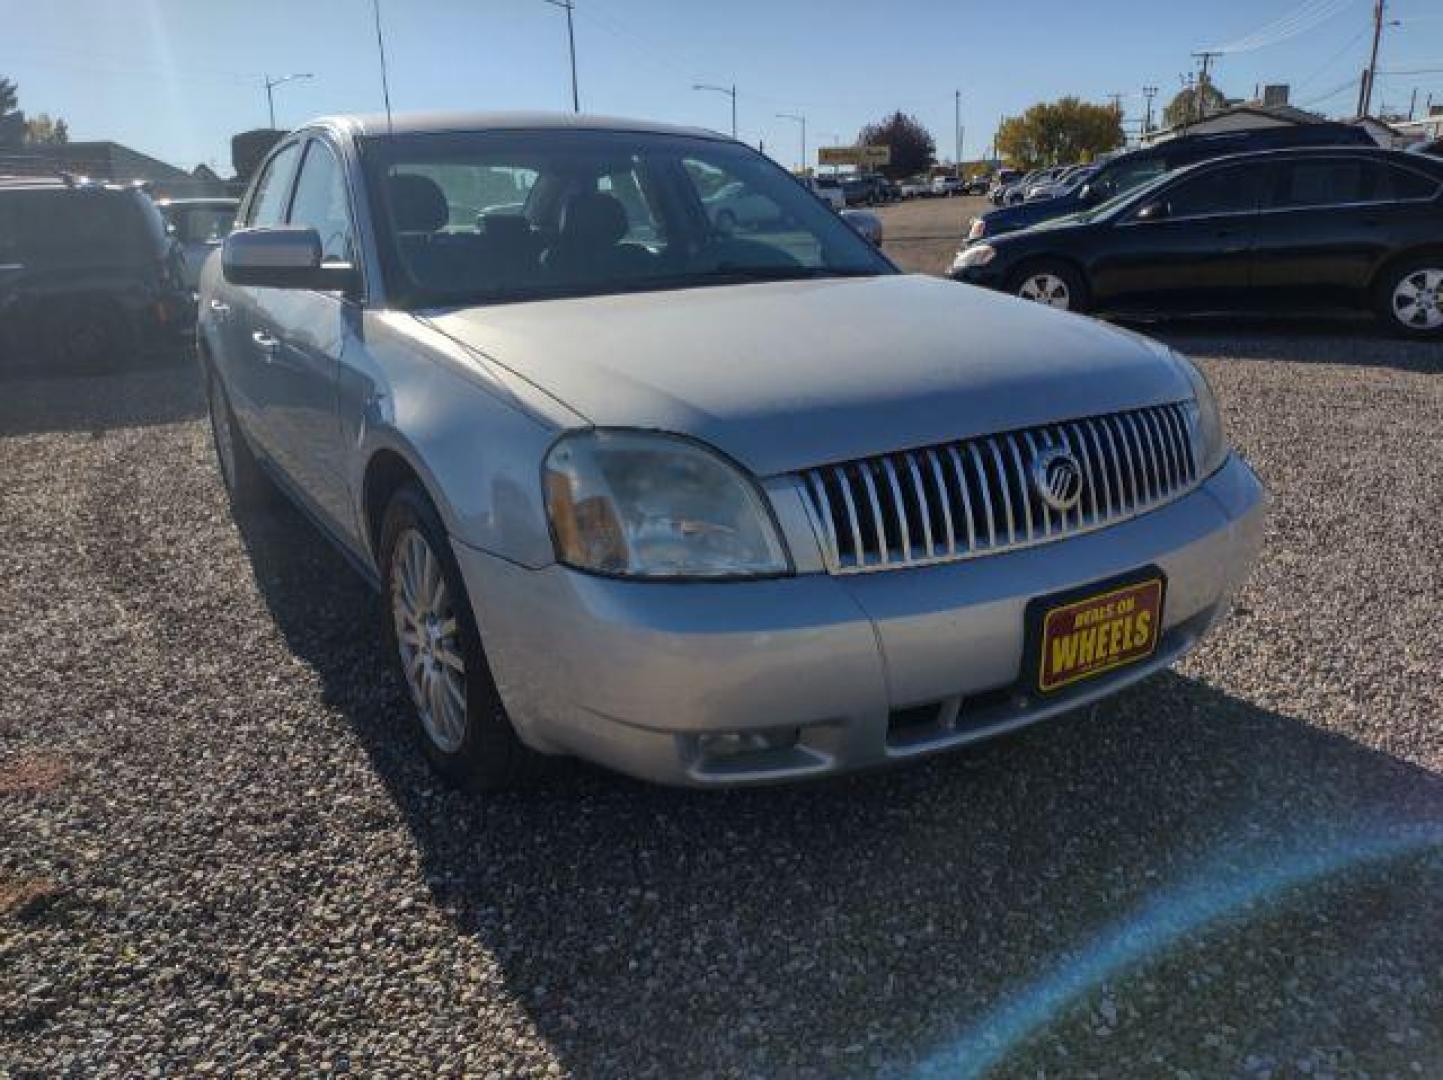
<point x="783" y="375"/>
<point x="1011" y="218"/>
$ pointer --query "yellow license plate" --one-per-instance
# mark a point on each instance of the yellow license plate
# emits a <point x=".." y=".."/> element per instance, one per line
<point x="1081" y="639"/>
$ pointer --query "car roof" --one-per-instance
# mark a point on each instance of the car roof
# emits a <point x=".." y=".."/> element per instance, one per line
<point x="364" y="125"/>
<point x="1292" y="153"/>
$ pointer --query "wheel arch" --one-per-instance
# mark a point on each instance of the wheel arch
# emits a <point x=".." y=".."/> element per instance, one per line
<point x="1393" y="261"/>
<point x="387" y="471"/>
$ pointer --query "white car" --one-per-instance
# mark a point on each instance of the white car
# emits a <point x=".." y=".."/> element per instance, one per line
<point x="828" y="189"/>
<point x="915" y="188"/>
<point x="734" y="207"/>
<point x="947" y="185"/>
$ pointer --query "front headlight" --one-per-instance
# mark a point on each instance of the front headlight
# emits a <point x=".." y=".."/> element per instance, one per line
<point x="640" y="504"/>
<point x="976" y="255"/>
<point x="1209" y="446"/>
<point x="978" y="229"/>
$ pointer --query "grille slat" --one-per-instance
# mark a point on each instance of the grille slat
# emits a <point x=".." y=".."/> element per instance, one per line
<point x="977" y="496"/>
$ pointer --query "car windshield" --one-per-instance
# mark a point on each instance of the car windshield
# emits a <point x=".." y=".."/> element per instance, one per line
<point x="200" y="223"/>
<point x="477" y="217"/>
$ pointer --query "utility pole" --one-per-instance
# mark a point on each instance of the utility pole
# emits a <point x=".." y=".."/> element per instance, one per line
<point x="1148" y="92"/>
<point x="957" y="132"/>
<point x="1206" y="58"/>
<point x="1413" y="103"/>
<point x="729" y="91"/>
<point x="571" y="46"/>
<point x="803" y="121"/>
<point x="1365" y="92"/>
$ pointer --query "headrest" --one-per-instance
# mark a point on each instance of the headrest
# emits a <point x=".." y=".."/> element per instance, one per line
<point x="418" y="203"/>
<point x="593" y="218"/>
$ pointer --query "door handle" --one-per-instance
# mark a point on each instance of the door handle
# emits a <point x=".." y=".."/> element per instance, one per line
<point x="267" y="344"/>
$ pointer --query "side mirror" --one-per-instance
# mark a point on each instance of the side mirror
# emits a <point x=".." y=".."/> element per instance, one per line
<point x="283" y="258"/>
<point x="868" y="224"/>
<point x="1086" y="193"/>
<point x="1153" y="211"/>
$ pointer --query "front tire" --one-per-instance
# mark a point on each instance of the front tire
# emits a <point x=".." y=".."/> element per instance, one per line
<point x="462" y="726"/>
<point x="1410" y="298"/>
<point x="1053" y="283"/>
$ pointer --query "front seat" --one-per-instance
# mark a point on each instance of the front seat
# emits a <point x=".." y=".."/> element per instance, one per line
<point x="420" y="210"/>
<point x="588" y="244"/>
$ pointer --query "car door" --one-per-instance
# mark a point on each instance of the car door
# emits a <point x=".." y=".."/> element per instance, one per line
<point x="303" y="334"/>
<point x="1329" y="222"/>
<point x="246" y="351"/>
<point x="1187" y="245"/>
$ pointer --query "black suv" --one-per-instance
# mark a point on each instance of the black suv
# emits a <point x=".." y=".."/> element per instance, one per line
<point x="90" y="277"/>
<point x="1279" y="231"/>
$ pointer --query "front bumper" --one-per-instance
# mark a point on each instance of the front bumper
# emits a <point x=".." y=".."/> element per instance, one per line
<point x="865" y="670"/>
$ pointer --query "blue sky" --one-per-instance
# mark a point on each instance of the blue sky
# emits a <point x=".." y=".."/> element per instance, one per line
<point x="175" y="78"/>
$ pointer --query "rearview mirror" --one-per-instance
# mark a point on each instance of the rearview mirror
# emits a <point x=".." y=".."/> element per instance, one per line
<point x="866" y="223"/>
<point x="282" y="258"/>
<point x="1153" y="211"/>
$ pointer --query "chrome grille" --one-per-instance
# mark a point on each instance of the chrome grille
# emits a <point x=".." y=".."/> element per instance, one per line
<point x="976" y="497"/>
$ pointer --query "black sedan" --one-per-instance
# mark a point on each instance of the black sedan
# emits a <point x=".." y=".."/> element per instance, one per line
<point x="1283" y="230"/>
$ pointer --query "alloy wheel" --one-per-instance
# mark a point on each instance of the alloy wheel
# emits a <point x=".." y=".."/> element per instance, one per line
<point x="1418" y="299"/>
<point x="429" y="639"/>
<point x="1046" y="289"/>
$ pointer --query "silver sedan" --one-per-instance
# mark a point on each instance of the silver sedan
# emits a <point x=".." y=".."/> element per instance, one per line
<point x="707" y="508"/>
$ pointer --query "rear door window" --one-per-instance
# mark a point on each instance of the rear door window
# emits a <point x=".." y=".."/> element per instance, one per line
<point x="1322" y="182"/>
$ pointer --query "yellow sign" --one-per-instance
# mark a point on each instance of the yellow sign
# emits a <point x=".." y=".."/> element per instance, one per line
<point x="854" y="155"/>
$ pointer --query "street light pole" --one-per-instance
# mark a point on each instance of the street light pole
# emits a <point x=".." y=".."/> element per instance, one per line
<point x="957" y="132"/>
<point x="803" y="121"/>
<point x="569" y="5"/>
<point x="729" y="91"/>
<point x="271" y="84"/>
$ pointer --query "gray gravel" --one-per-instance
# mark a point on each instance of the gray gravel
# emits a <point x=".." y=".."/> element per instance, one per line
<point x="219" y="853"/>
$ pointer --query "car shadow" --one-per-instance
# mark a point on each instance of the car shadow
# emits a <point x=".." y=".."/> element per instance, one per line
<point x="159" y="392"/>
<point x="1340" y="340"/>
<point x="864" y="925"/>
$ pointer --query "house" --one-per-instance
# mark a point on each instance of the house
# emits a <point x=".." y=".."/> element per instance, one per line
<point x="105" y="160"/>
<point x="1247" y="116"/>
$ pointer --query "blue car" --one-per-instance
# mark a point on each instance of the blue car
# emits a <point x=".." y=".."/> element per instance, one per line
<point x="1127" y="171"/>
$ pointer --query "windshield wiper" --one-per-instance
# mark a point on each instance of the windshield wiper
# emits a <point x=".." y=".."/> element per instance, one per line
<point x="780" y="273"/>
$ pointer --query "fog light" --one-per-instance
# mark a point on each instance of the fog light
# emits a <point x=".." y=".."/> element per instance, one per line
<point x="736" y="743"/>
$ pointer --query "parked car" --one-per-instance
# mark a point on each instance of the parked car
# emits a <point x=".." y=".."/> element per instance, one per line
<point x="946" y="185"/>
<point x="1004" y="179"/>
<point x="863" y="190"/>
<point x="89" y="277"/>
<point x="735" y="206"/>
<point x="1126" y="171"/>
<point x="199" y="225"/>
<point x="643" y="493"/>
<point x="915" y="187"/>
<point x="828" y="189"/>
<point x="977" y="185"/>
<point x="1281" y="230"/>
<point x="1064" y="184"/>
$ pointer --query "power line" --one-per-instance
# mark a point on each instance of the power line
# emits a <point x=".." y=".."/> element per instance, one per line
<point x="1311" y="14"/>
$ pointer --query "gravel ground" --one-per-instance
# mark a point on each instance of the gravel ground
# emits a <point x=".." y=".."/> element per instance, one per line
<point x="219" y="854"/>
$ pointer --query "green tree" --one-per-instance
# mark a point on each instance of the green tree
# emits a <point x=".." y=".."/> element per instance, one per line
<point x="41" y="130"/>
<point x="1054" y="133"/>
<point x="9" y="95"/>
<point x="913" y="148"/>
<point x="1183" y="109"/>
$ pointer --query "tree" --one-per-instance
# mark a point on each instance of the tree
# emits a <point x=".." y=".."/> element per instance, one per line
<point x="1183" y="109"/>
<point x="912" y="146"/>
<point x="41" y="130"/>
<point x="9" y="95"/>
<point x="1059" y="132"/>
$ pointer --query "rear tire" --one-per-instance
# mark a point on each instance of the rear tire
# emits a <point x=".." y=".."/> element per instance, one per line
<point x="430" y="629"/>
<point x="246" y="483"/>
<point x="1410" y="298"/>
<point x="1052" y="282"/>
